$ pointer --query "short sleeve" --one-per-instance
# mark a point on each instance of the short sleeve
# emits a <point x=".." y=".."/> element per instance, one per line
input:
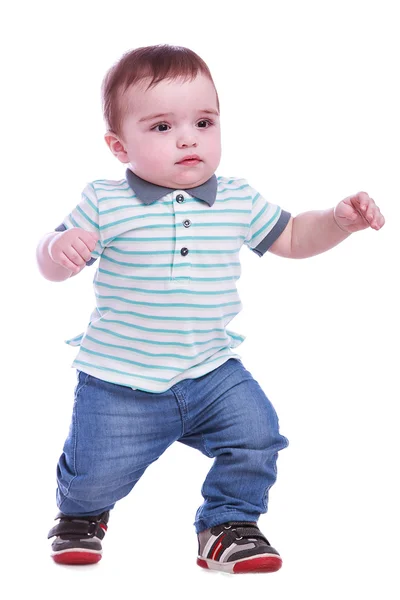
<point x="266" y="223"/>
<point x="85" y="216"/>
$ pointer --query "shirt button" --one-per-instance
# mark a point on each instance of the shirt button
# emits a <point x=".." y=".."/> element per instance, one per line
<point x="180" y="198"/>
<point x="187" y="223"/>
<point x="184" y="251"/>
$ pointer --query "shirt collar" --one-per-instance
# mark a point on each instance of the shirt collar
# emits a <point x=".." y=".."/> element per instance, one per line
<point x="150" y="192"/>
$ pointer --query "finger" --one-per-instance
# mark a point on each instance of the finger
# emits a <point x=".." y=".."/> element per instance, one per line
<point x="64" y="261"/>
<point x="90" y="239"/>
<point x="371" y="212"/>
<point x="363" y="198"/>
<point x="94" y="234"/>
<point x="360" y="201"/>
<point x="347" y="211"/>
<point x="74" y="256"/>
<point x="82" y="249"/>
<point x="371" y="206"/>
<point x="378" y="221"/>
<point x="365" y="208"/>
<point x="89" y="235"/>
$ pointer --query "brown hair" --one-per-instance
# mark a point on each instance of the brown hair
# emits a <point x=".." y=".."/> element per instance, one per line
<point x="158" y="62"/>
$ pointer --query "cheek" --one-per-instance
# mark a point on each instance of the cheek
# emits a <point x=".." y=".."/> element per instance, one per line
<point x="148" y="148"/>
<point x="155" y="155"/>
<point x="215" y="146"/>
<point x="215" y="138"/>
<point x="159" y="148"/>
<point x="157" y="145"/>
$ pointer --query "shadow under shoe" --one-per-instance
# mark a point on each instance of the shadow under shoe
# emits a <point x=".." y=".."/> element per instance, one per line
<point x="78" y="539"/>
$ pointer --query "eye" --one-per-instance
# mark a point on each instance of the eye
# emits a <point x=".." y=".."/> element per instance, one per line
<point x="161" y="127"/>
<point x="204" y="123"/>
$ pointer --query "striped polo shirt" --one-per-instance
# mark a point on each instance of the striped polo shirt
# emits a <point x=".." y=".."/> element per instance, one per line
<point x="165" y="283"/>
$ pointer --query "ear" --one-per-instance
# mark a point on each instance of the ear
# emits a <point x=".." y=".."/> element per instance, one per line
<point x="116" y="146"/>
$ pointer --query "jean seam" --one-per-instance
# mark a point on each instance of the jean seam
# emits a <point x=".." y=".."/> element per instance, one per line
<point x="181" y="405"/>
<point x="75" y="439"/>
<point x="266" y="491"/>
<point x="206" y="450"/>
<point x="79" y="385"/>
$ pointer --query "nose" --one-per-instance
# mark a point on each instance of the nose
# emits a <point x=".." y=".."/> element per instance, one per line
<point x="186" y="139"/>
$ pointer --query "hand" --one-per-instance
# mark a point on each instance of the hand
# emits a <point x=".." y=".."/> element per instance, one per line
<point x="72" y="248"/>
<point x="358" y="212"/>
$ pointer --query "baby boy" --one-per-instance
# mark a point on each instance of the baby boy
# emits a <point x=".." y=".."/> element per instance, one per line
<point x="156" y="363"/>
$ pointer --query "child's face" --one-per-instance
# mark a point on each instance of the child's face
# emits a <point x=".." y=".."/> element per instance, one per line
<point x="164" y="125"/>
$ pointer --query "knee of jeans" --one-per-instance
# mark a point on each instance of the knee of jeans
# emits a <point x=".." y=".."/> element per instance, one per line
<point x="282" y="442"/>
<point x="267" y="440"/>
<point x="269" y="429"/>
<point x="83" y="490"/>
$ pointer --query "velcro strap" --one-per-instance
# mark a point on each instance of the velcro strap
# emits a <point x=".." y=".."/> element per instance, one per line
<point x="249" y="532"/>
<point x="77" y="528"/>
<point x="243" y="532"/>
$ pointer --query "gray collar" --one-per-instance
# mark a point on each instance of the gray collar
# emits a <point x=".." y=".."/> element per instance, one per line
<point x="150" y="192"/>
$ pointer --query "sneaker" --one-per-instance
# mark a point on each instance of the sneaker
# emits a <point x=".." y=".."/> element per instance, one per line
<point x="78" y="539"/>
<point x="237" y="547"/>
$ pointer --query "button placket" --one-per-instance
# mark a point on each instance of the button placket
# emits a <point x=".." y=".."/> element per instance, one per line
<point x="182" y="246"/>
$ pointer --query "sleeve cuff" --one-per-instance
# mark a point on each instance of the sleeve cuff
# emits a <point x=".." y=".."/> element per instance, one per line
<point x="273" y="235"/>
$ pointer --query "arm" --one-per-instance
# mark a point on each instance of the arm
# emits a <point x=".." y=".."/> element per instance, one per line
<point x="314" y="232"/>
<point x="308" y="234"/>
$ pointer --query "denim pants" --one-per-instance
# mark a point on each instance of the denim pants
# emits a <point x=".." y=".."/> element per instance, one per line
<point x="117" y="432"/>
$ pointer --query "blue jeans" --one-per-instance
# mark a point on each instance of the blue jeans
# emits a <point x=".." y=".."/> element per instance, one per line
<point x="117" y="432"/>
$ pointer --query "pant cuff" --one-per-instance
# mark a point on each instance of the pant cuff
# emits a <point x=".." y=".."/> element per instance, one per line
<point x="223" y="517"/>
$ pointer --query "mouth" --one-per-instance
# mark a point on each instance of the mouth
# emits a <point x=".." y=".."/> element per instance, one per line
<point x="191" y="160"/>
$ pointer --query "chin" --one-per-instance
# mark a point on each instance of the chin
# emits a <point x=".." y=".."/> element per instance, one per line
<point x="192" y="180"/>
<point x="189" y="183"/>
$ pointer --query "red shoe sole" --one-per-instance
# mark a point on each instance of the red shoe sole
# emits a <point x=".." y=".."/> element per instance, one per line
<point x="258" y="565"/>
<point x="262" y="564"/>
<point x="76" y="558"/>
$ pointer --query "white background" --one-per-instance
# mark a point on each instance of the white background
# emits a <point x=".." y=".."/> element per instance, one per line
<point x="310" y="101"/>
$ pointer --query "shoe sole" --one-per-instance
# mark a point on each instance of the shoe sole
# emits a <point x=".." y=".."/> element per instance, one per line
<point x="76" y="557"/>
<point x="257" y="564"/>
